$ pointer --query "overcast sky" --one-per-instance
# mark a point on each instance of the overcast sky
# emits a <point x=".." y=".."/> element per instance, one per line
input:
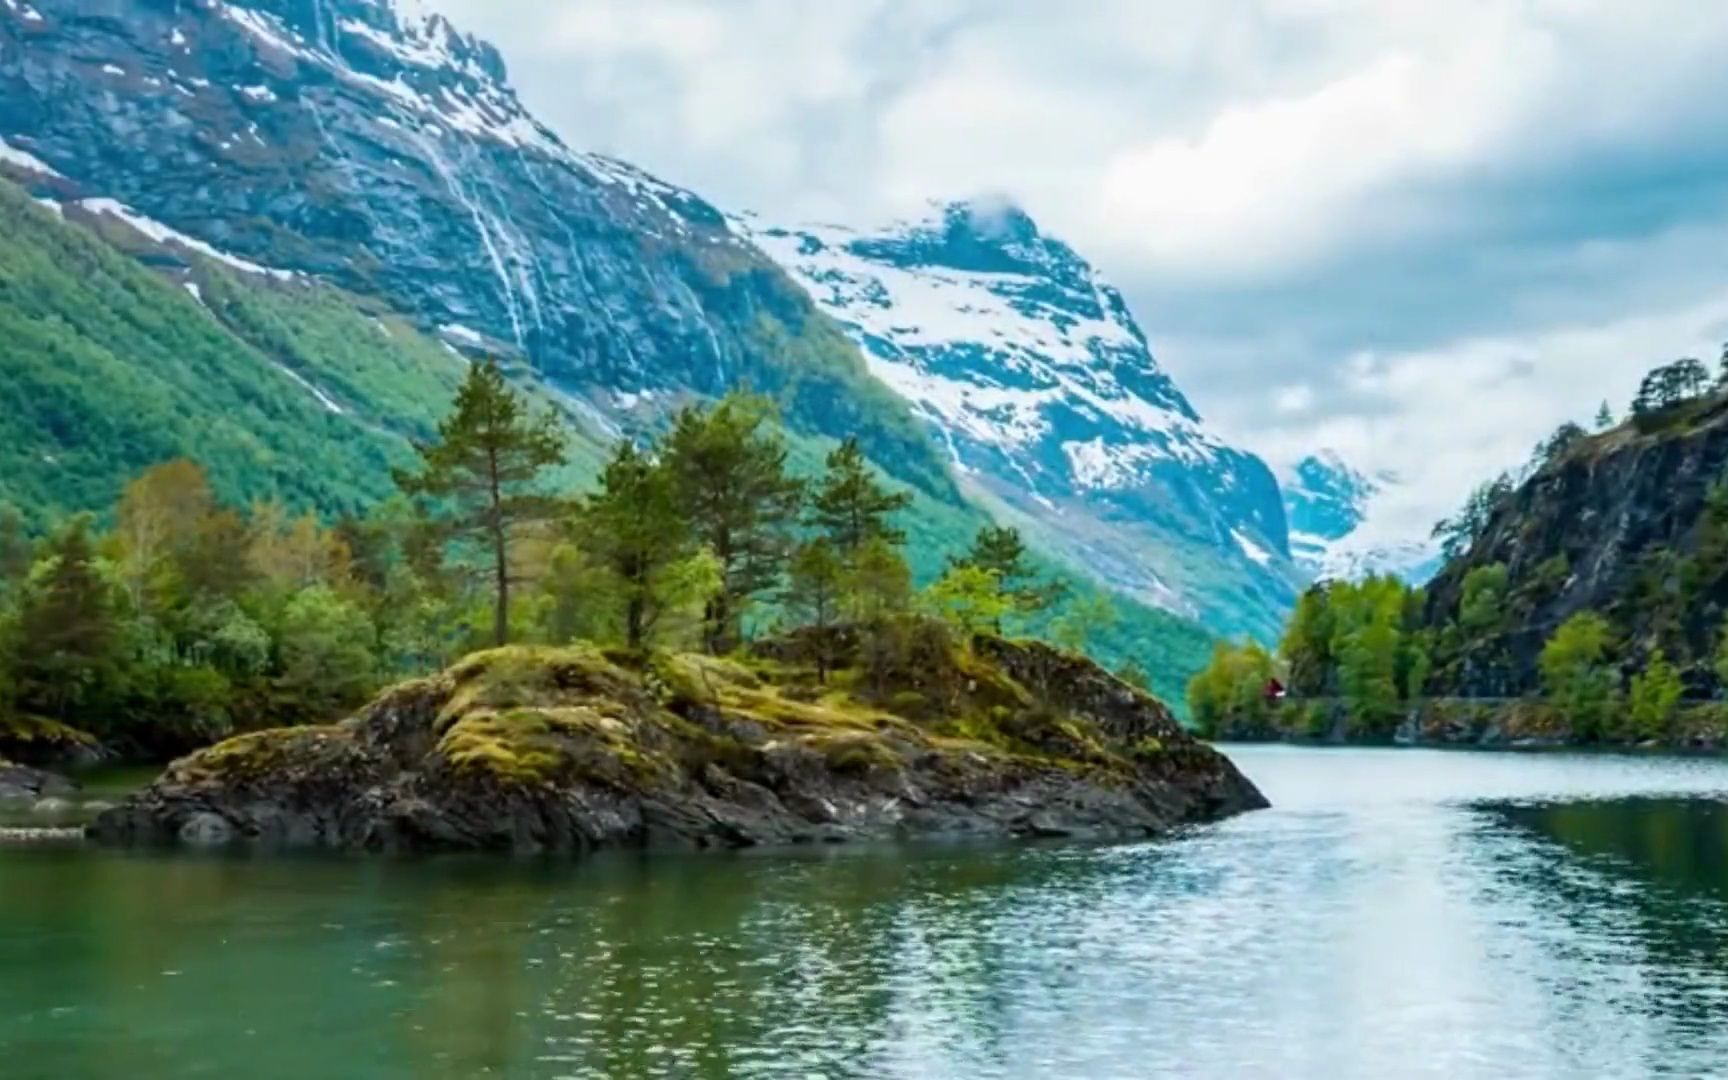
<point x="1421" y="233"/>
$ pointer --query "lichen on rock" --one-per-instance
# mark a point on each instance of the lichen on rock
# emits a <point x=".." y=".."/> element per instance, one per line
<point x="572" y="749"/>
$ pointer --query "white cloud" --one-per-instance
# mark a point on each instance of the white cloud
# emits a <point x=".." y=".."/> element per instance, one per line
<point x="1422" y="232"/>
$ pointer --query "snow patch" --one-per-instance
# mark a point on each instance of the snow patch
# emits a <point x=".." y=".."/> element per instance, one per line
<point x="113" y="69"/>
<point x="1255" y="552"/>
<point x="166" y="235"/>
<point x="192" y="287"/>
<point x="259" y="93"/>
<point x="12" y="155"/>
<point x="463" y="334"/>
<point x="312" y="388"/>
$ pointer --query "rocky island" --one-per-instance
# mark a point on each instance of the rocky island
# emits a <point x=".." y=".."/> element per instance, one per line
<point x="573" y="749"/>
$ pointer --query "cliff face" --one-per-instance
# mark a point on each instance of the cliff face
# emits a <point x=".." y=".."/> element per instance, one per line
<point x="1623" y="523"/>
<point x="371" y="145"/>
<point x="570" y="750"/>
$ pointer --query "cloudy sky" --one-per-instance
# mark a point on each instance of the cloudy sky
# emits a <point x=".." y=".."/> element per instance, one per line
<point x="1421" y="233"/>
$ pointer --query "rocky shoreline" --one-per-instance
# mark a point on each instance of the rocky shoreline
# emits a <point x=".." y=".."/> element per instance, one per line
<point x="1478" y="724"/>
<point x="574" y="749"/>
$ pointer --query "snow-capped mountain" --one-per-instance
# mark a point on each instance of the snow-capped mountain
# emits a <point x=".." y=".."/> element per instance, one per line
<point x="1337" y="526"/>
<point x="1030" y="368"/>
<point x="369" y="144"/>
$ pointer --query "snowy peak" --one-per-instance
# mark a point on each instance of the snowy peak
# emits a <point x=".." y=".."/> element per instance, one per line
<point x="1028" y="365"/>
<point x="1337" y="522"/>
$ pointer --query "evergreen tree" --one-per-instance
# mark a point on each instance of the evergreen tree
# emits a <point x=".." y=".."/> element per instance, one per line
<point x="16" y="548"/>
<point x="67" y="643"/>
<point x="1604" y="416"/>
<point x="850" y="507"/>
<point x="815" y="586"/>
<point x="1085" y="617"/>
<point x="633" y="527"/>
<point x="878" y="584"/>
<point x="1001" y="551"/>
<point x="730" y="480"/>
<point x="484" y="470"/>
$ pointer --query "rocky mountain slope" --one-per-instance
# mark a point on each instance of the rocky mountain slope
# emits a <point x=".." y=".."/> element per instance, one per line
<point x="370" y="145"/>
<point x="1334" y="533"/>
<point x="268" y="233"/>
<point x="571" y="750"/>
<point x="1631" y="523"/>
<point x="1029" y="367"/>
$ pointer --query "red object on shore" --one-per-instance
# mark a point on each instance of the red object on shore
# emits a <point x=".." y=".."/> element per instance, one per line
<point x="1274" y="690"/>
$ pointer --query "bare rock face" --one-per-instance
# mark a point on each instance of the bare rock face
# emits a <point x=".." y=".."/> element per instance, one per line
<point x="571" y="750"/>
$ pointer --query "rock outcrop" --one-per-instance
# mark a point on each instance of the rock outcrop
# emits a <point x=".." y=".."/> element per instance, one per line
<point x="1631" y="523"/>
<point x="575" y="749"/>
<point x="23" y="784"/>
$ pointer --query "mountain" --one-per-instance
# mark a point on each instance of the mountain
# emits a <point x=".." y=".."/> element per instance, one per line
<point x="369" y="145"/>
<point x="1028" y="366"/>
<point x="1631" y="524"/>
<point x="1337" y="530"/>
<point x="270" y="234"/>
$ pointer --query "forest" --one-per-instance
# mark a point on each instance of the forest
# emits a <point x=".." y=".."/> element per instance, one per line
<point x="1635" y="650"/>
<point x="176" y="619"/>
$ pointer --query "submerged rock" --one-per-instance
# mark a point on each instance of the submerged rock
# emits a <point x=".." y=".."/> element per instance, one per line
<point x="573" y="749"/>
<point x="22" y="784"/>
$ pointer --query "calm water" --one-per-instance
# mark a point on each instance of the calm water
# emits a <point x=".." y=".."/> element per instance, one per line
<point x="1401" y="913"/>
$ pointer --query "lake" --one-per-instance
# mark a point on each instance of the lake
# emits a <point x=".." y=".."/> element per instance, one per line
<point x="1399" y="913"/>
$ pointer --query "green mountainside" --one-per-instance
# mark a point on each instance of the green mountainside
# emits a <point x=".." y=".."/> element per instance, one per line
<point x="118" y="352"/>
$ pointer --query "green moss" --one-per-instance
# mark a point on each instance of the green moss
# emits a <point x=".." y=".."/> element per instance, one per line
<point x="261" y="752"/>
<point x="39" y="732"/>
<point x="539" y="745"/>
<point x="859" y="754"/>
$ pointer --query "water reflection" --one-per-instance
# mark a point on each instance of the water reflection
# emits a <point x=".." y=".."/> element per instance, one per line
<point x="1398" y="914"/>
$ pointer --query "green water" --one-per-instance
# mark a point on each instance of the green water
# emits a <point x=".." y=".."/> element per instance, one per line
<point x="1400" y="913"/>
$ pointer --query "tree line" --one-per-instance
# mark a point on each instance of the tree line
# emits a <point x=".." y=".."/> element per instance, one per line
<point x="181" y="618"/>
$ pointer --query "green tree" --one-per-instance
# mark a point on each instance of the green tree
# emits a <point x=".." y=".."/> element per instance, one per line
<point x="1575" y="672"/>
<point x="729" y="478"/>
<point x="1367" y="674"/>
<point x="326" y="648"/>
<point x="816" y="585"/>
<point x="1085" y="617"/>
<point x="1654" y="696"/>
<point x="1307" y="644"/>
<point x="1481" y="609"/>
<point x="16" y="548"/>
<point x="850" y="507"/>
<point x="1000" y="550"/>
<point x="633" y="527"/>
<point x="1228" y="696"/>
<point x="66" y="647"/>
<point x="1719" y="659"/>
<point x="878" y="584"/>
<point x="1604" y="417"/>
<point x="968" y="598"/>
<point x="484" y="470"/>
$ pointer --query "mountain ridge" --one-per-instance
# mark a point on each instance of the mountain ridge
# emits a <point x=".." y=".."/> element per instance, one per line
<point x="1029" y="367"/>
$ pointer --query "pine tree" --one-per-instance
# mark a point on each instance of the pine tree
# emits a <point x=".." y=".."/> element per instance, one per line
<point x="67" y="638"/>
<point x="633" y="528"/>
<point x="15" y="547"/>
<point x="729" y="478"/>
<point x="483" y="471"/>
<point x="1604" y="416"/>
<point x="816" y="584"/>
<point x="850" y="507"/>
<point x="1001" y="551"/>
